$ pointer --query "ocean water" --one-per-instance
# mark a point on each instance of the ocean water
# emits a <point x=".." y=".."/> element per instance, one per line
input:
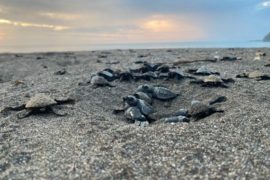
<point x="201" y="44"/>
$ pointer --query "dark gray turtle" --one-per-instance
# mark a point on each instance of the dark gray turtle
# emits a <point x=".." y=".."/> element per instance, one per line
<point x="108" y="74"/>
<point x="174" y="74"/>
<point x="99" y="81"/>
<point x="218" y="99"/>
<point x="125" y="76"/>
<point x="145" y="108"/>
<point x="144" y="66"/>
<point x="203" y="71"/>
<point x="200" y="110"/>
<point x="61" y="72"/>
<point x="163" y="68"/>
<point x="163" y="76"/>
<point x="178" y="74"/>
<point x="139" y="68"/>
<point x="176" y="119"/>
<point x="145" y="76"/>
<point x="38" y="104"/>
<point x="143" y="96"/>
<point x="152" y="66"/>
<point x="268" y="63"/>
<point x="160" y="93"/>
<point x="182" y="112"/>
<point x="134" y="114"/>
<point x="211" y="81"/>
<point x="229" y="58"/>
<point x="257" y="75"/>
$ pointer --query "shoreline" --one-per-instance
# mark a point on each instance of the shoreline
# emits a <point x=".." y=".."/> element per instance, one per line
<point x="138" y="46"/>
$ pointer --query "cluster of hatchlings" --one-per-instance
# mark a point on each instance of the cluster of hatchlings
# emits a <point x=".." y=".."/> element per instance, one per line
<point x="137" y="107"/>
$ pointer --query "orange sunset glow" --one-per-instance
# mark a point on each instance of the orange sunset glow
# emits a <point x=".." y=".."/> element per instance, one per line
<point x="63" y="22"/>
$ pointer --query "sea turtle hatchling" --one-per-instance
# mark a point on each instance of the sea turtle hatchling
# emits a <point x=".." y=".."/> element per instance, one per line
<point x="100" y="81"/>
<point x="203" y="71"/>
<point x="172" y="74"/>
<point x="38" y="104"/>
<point x="108" y="74"/>
<point x="200" y="110"/>
<point x="257" y="75"/>
<point x="131" y="101"/>
<point x="134" y="114"/>
<point x="125" y="76"/>
<point x="143" y="96"/>
<point x="212" y="81"/>
<point x="160" y="93"/>
<point x="145" y="76"/>
<point x="145" y="108"/>
<point x="176" y="119"/>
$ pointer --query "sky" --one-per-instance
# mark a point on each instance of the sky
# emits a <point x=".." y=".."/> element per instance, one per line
<point x="81" y="22"/>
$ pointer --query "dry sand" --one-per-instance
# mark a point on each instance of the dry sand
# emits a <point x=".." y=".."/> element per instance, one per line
<point x="92" y="143"/>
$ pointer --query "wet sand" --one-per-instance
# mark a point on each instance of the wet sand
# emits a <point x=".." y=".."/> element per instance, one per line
<point x="91" y="142"/>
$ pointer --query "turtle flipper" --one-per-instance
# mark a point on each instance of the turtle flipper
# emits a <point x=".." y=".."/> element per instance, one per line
<point x="218" y="99"/>
<point x="192" y="71"/>
<point x="141" y="123"/>
<point x="217" y="111"/>
<point x="16" y="108"/>
<point x="228" y="80"/>
<point x="196" y="82"/>
<point x="117" y="111"/>
<point x="110" y="85"/>
<point x="265" y="77"/>
<point x="24" y="114"/>
<point x="65" y="101"/>
<point x="223" y="85"/>
<point x="190" y="77"/>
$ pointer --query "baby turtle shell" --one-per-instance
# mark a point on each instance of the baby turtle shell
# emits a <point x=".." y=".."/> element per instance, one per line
<point x="40" y="100"/>
<point x="203" y="71"/>
<point x="134" y="113"/>
<point x="181" y="112"/>
<point x="99" y="81"/>
<point x="258" y="75"/>
<point x="160" y="93"/>
<point x="163" y="68"/>
<point x="163" y="93"/>
<point x="145" y="108"/>
<point x="144" y="96"/>
<point x="108" y="74"/>
<point x="255" y="74"/>
<point x="211" y="81"/>
<point x="200" y="110"/>
<point x="125" y="76"/>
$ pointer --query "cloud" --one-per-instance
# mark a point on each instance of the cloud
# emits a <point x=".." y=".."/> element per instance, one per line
<point x="264" y="5"/>
<point x="106" y="29"/>
<point x="27" y="24"/>
<point x="170" y="28"/>
<point x="60" y="16"/>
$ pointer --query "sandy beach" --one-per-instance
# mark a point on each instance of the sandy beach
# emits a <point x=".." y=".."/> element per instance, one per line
<point x="92" y="143"/>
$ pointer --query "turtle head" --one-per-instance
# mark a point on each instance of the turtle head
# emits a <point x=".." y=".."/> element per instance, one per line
<point x="146" y="88"/>
<point x="130" y="100"/>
